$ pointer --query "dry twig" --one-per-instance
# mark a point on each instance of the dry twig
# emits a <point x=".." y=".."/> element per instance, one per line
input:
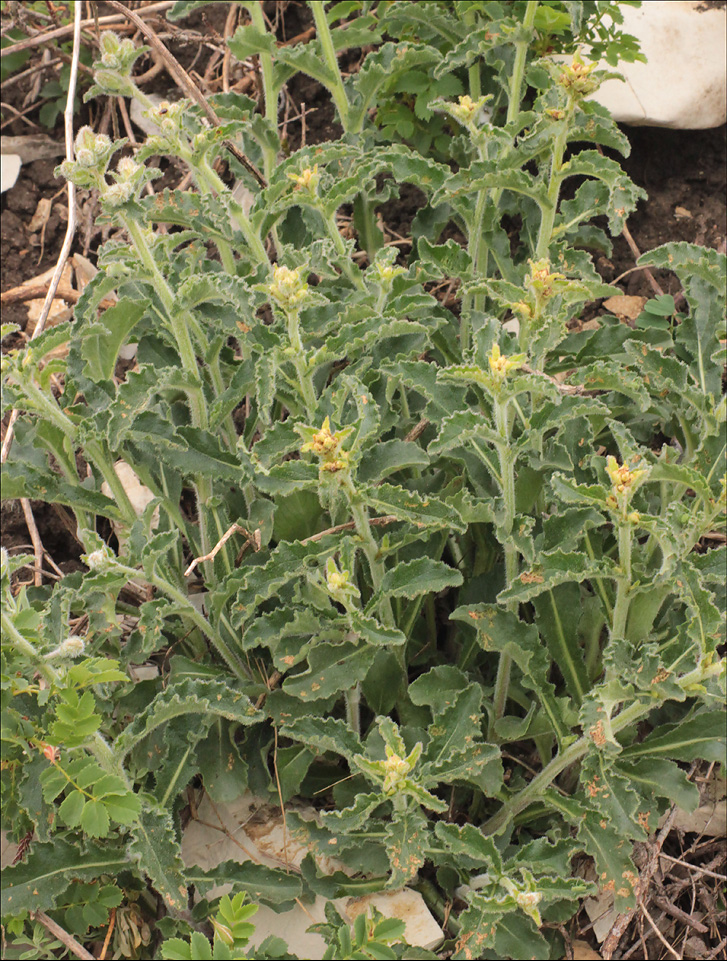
<point x="71" y="228"/>
<point x="63" y="936"/>
<point x="254" y="539"/>
<point x="38" y="549"/>
<point x="181" y="77"/>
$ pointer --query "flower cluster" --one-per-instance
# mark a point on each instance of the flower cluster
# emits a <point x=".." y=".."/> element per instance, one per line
<point x="500" y="365"/>
<point x="307" y="180"/>
<point x="326" y="444"/>
<point x="576" y="79"/>
<point x="624" y="481"/>
<point x="288" y="289"/>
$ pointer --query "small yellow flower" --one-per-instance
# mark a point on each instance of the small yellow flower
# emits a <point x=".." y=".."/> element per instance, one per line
<point x="396" y="769"/>
<point x="576" y="79"/>
<point x="326" y="445"/>
<point x="288" y="288"/>
<point x="500" y="365"/>
<point x="466" y="109"/>
<point x="307" y="179"/>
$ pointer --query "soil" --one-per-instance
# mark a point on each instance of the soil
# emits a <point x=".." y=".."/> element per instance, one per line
<point x="684" y="173"/>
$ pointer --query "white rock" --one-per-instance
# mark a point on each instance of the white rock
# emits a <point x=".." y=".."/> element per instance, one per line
<point x="252" y="830"/>
<point x="10" y="164"/>
<point x="684" y="82"/>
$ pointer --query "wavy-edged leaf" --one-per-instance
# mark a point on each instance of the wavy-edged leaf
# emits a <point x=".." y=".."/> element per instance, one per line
<point x="191" y="696"/>
<point x="264" y="575"/>
<point x="653" y="775"/>
<point x="37" y="883"/>
<point x="455" y="750"/>
<point x="613" y="795"/>
<point x="700" y="737"/>
<point x="373" y="632"/>
<point x="154" y="847"/>
<point x="623" y="192"/>
<point x="324" y="734"/>
<point x="389" y="457"/>
<point x="612" y="854"/>
<point x="424" y="511"/>
<point x="101" y="341"/>
<point x="270" y="885"/>
<point x="332" y="668"/>
<point x="500" y="630"/>
<point x="406" y="839"/>
<point x="420" y="576"/>
<point x="556" y="568"/>
<point x="556" y="625"/>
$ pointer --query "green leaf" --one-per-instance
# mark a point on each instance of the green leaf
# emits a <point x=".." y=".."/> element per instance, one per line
<point x="469" y="846"/>
<point x="612" y="854"/>
<point x="154" y="847"/>
<point x="37" y="883"/>
<point x="324" y="734"/>
<point x="101" y="341"/>
<point x="623" y="192"/>
<point x="478" y="925"/>
<point x="420" y="576"/>
<point x="332" y="668"/>
<point x="455" y="750"/>
<point x="500" y="630"/>
<point x="411" y="506"/>
<point x="662" y="778"/>
<point x="697" y="738"/>
<point x="223" y="771"/>
<point x="555" y="623"/>
<point x="613" y="795"/>
<point x="71" y="809"/>
<point x="407" y="844"/>
<point x="559" y="567"/>
<point x="270" y="885"/>
<point x="389" y="457"/>
<point x="196" y="696"/>
<point x="95" y="819"/>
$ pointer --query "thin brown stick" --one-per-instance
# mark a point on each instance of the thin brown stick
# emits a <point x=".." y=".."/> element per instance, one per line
<point x="153" y="71"/>
<point x="18" y="295"/>
<point x="38" y="549"/>
<point x="676" y="912"/>
<point x="660" y="936"/>
<point x="228" y="31"/>
<point x="62" y="32"/>
<point x="417" y="429"/>
<point x="349" y="525"/>
<point x="107" y="939"/>
<point x="63" y="936"/>
<point x="181" y="77"/>
<point x="694" y="867"/>
<point x="253" y="539"/>
<point x="637" y="253"/>
<point x="71" y="228"/>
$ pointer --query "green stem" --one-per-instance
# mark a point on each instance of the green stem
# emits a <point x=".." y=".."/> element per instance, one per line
<point x="331" y="60"/>
<point x="353" y="274"/>
<point x="305" y="380"/>
<point x="353" y="707"/>
<point x="371" y="550"/>
<point x="507" y="473"/>
<point x="621" y="607"/>
<point x="477" y="250"/>
<point x="212" y="181"/>
<point x="549" y="210"/>
<point x="192" y="614"/>
<point x="579" y="749"/>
